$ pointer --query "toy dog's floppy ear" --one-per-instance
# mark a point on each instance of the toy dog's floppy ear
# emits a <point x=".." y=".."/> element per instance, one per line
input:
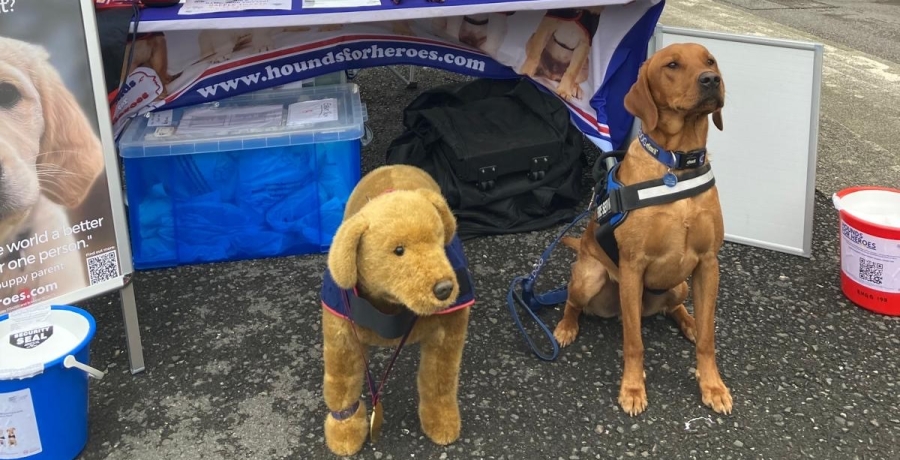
<point x="639" y="101"/>
<point x="717" y="119"/>
<point x="344" y="249"/>
<point x="443" y="209"/>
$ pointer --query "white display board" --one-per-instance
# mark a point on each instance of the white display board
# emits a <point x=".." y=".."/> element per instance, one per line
<point x="765" y="159"/>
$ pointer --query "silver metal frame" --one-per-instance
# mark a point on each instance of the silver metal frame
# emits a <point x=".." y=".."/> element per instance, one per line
<point x="819" y="53"/>
<point x="410" y="80"/>
<point x="123" y="244"/>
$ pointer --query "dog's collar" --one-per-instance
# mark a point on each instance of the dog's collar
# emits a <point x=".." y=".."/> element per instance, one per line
<point x="476" y="22"/>
<point x="561" y="44"/>
<point x="673" y="159"/>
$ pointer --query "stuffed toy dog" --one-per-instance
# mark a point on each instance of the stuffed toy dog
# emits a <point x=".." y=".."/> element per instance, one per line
<point x="396" y="273"/>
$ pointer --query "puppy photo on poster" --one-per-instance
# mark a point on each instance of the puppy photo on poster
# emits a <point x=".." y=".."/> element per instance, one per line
<point x="56" y="228"/>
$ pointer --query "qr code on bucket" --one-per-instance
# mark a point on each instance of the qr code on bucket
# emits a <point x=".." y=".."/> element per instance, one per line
<point x="870" y="271"/>
<point x="103" y="266"/>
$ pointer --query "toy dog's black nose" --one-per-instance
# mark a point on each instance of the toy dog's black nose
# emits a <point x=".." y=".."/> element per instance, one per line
<point x="443" y="289"/>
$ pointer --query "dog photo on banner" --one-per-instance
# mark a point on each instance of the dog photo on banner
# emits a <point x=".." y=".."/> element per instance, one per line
<point x="586" y="56"/>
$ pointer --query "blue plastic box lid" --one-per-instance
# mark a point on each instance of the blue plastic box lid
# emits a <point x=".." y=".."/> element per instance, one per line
<point x="276" y="118"/>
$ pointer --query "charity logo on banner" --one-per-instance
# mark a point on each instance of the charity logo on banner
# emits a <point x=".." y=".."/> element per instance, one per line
<point x="56" y="230"/>
<point x="589" y="57"/>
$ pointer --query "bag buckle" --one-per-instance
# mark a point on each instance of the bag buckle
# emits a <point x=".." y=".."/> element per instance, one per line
<point x="539" y="166"/>
<point x="486" y="176"/>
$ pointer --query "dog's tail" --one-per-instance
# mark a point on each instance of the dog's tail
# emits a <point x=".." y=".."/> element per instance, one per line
<point x="572" y="242"/>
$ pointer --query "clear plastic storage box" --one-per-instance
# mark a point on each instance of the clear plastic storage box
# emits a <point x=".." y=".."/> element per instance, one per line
<point x="258" y="175"/>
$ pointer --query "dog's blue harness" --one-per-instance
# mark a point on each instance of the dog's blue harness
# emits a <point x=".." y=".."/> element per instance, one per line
<point x="611" y="203"/>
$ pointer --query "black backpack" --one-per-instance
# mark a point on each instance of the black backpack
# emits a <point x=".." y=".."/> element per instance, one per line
<point x="504" y="153"/>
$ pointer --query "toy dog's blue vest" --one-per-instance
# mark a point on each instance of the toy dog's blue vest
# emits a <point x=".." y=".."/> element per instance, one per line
<point x="364" y="314"/>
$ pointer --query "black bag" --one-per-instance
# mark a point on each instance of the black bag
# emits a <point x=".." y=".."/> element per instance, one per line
<point x="503" y="152"/>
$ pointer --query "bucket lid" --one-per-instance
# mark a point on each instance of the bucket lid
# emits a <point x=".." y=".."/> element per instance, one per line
<point x="878" y="206"/>
<point x="33" y="339"/>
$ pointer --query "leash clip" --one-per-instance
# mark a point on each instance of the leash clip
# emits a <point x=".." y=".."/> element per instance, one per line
<point x="592" y="203"/>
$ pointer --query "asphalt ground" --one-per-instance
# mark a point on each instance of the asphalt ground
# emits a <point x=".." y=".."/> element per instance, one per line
<point x="233" y="350"/>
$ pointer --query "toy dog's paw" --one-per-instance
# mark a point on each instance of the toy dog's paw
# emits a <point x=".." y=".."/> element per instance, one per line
<point x="441" y="423"/>
<point x="346" y="437"/>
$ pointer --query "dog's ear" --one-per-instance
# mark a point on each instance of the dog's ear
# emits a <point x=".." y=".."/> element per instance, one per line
<point x="71" y="155"/>
<point x="447" y="218"/>
<point x="344" y="250"/>
<point x="717" y="119"/>
<point x="639" y="101"/>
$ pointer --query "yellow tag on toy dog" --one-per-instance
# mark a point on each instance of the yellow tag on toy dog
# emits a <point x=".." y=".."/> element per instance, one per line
<point x="375" y="421"/>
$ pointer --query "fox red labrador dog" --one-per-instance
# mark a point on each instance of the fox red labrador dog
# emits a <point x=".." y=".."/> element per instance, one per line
<point x="655" y="247"/>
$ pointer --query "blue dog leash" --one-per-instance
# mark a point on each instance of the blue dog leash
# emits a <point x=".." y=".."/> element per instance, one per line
<point x="532" y="302"/>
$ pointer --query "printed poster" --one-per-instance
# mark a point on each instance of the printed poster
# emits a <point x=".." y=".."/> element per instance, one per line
<point x="57" y="233"/>
<point x="588" y="57"/>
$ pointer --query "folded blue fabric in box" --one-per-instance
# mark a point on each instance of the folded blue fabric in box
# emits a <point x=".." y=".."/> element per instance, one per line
<point x="197" y="175"/>
<point x="335" y="186"/>
<point x="211" y="229"/>
<point x="267" y="176"/>
<point x="334" y="182"/>
<point x="156" y="226"/>
<point x="293" y="213"/>
<point x="235" y="205"/>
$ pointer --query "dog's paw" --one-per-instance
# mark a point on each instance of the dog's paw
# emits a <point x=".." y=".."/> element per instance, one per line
<point x="716" y="396"/>
<point x="529" y="68"/>
<point x="441" y="424"/>
<point x="633" y="399"/>
<point x="688" y="328"/>
<point x="565" y="333"/>
<point x="220" y="58"/>
<point x="567" y="91"/>
<point x="346" y="437"/>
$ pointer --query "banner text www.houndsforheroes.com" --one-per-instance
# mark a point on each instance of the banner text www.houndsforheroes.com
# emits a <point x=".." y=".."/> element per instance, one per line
<point x="276" y="72"/>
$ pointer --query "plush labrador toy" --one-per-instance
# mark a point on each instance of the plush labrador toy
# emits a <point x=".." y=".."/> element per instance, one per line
<point x="396" y="271"/>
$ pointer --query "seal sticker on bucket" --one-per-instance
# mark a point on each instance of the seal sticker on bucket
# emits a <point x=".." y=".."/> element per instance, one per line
<point x="31" y="337"/>
<point x="870" y="247"/>
<point x="18" y="425"/>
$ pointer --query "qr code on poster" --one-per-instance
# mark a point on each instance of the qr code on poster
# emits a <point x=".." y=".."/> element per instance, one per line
<point x="870" y="271"/>
<point x="103" y="266"/>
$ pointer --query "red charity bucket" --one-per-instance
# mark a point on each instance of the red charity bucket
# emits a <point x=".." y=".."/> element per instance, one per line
<point x="870" y="247"/>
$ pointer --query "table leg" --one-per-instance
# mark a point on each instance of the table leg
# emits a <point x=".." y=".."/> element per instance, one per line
<point x="132" y="328"/>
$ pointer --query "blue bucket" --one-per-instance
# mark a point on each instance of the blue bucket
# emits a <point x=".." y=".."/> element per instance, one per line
<point x="44" y="354"/>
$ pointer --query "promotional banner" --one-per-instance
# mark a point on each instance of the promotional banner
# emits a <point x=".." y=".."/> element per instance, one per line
<point x="57" y="234"/>
<point x="589" y="57"/>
